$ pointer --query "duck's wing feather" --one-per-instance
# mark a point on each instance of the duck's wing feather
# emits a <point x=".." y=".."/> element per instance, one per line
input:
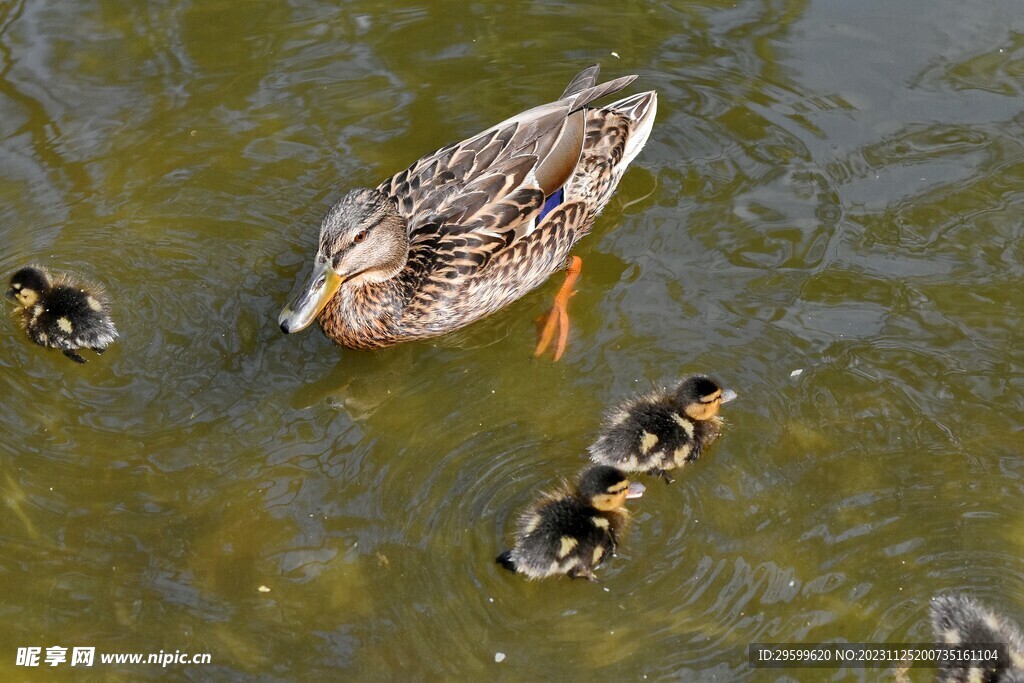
<point x="451" y="271"/>
<point x="495" y="182"/>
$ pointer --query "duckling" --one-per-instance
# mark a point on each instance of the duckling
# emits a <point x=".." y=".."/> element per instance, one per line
<point x="572" y="529"/>
<point x="663" y="430"/>
<point x="959" y="619"/>
<point x="61" y="312"/>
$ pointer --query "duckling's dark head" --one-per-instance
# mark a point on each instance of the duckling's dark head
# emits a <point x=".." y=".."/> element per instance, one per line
<point x="607" y="488"/>
<point x="701" y="397"/>
<point x="27" y="285"/>
<point x="364" y="239"/>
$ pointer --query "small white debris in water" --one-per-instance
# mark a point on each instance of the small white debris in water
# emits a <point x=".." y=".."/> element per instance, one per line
<point x="792" y="583"/>
<point x="499" y="657"/>
<point x="606" y="590"/>
<point x="616" y="55"/>
<point x="263" y="589"/>
<point x="797" y="372"/>
<point x="490" y="599"/>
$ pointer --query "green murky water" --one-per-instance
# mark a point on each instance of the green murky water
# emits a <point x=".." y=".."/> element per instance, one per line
<point x="830" y="187"/>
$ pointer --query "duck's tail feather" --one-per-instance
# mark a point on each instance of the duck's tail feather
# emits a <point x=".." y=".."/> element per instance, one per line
<point x="616" y="133"/>
<point x="639" y="110"/>
<point x="584" y="97"/>
<point x="506" y="561"/>
<point x="583" y="80"/>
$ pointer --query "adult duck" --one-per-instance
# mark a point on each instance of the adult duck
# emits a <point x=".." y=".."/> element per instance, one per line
<point x="475" y="225"/>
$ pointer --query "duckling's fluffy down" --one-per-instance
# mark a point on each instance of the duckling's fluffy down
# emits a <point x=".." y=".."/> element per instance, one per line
<point x="959" y="619"/>
<point x="652" y="433"/>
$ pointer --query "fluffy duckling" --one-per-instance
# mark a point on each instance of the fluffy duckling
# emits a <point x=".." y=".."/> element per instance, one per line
<point x="959" y="619"/>
<point x="572" y="529"/>
<point x="663" y="430"/>
<point x="61" y="312"/>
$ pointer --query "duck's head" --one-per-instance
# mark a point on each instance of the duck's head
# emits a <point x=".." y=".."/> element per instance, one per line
<point x="363" y="239"/>
<point x="27" y="285"/>
<point x="701" y="397"/>
<point x="607" y="488"/>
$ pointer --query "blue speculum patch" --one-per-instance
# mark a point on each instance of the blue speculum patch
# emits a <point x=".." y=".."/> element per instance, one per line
<point x="550" y="203"/>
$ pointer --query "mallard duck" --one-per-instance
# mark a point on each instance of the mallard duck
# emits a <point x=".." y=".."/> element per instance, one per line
<point x="61" y="312"/>
<point x="662" y="430"/>
<point x="572" y="529"/>
<point x="473" y="226"/>
<point x="959" y="619"/>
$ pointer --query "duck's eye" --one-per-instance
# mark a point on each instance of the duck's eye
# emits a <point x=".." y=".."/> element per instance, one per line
<point x="359" y="237"/>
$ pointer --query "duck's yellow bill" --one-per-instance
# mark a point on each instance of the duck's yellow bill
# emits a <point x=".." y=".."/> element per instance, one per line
<point x="319" y="289"/>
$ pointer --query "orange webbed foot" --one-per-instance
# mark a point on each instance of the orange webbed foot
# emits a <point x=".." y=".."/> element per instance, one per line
<point x="558" y="318"/>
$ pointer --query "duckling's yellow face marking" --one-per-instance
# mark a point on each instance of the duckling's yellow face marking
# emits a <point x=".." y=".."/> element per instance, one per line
<point x="93" y="303"/>
<point x="28" y="286"/>
<point x="532" y="524"/>
<point x="65" y="325"/>
<point x="647" y="442"/>
<point x="706" y="407"/>
<point x="614" y="498"/>
<point x="37" y="311"/>
<point x="25" y="296"/>
<point x="566" y="545"/>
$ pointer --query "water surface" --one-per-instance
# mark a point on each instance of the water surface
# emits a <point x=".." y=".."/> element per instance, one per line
<point x="827" y="217"/>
